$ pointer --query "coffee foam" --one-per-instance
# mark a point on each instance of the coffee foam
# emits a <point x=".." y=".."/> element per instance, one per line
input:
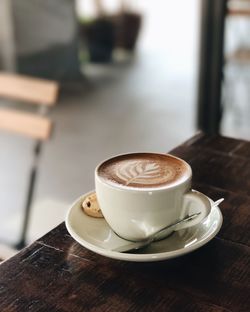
<point x="143" y="170"/>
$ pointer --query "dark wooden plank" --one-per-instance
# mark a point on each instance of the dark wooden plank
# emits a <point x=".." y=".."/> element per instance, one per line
<point x="221" y="168"/>
<point x="212" y="263"/>
<point x="216" y="143"/>
<point x="236" y="213"/>
<point x="218" y="164"/>
<point x="210" y="279"/>
<point x="226" y="172"/>
<point x="243" y="150"/>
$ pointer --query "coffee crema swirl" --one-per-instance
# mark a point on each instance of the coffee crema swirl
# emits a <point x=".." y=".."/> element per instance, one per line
<point x="143" y="170"/>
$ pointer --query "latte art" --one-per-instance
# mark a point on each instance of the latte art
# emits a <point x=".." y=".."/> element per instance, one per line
<point x="143" y="170"/>
<point x="146" y="173"/>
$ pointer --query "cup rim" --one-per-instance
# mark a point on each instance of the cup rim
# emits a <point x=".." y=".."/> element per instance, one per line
<point x="144" y="189"/>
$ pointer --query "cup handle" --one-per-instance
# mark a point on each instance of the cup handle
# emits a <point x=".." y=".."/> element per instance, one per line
<point x="194" y="202"/>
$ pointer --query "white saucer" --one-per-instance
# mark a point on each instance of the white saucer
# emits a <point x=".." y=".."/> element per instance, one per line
<point x="96" y="235"/>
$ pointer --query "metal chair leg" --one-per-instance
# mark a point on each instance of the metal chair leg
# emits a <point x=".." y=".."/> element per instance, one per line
<point x="22" y="242"/>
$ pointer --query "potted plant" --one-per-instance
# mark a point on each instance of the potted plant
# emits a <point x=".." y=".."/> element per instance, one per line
<point x="127" y="26"/>
<point x="99" y="35"/>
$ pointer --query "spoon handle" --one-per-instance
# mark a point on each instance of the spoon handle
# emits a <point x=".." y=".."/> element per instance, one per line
<point x="138" y="245"/>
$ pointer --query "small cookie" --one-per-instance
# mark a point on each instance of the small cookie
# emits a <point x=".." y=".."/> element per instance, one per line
<point x="91" y="207"/>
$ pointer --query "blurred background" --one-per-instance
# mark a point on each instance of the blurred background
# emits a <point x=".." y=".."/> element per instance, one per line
<point x="131" y="76"/>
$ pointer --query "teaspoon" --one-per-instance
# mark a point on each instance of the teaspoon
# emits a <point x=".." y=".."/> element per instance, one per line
<point x="138" y="245"/>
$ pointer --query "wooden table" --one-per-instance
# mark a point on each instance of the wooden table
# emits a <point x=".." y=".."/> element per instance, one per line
<point x="56" y="274"/>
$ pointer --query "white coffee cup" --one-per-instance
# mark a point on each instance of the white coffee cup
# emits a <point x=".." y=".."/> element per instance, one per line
<point x="135" y="213"/>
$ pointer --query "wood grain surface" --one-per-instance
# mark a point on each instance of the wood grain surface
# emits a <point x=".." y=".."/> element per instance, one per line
<point x="57" y="274"/>
<point x="27" y="124"/>
<point x="28" y="89"/>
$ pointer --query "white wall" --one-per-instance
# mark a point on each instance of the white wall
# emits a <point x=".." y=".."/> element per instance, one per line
<point x="171" y="29"/>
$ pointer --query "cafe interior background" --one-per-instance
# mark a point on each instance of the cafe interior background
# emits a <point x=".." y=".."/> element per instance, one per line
<point x="128" y="75"/>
